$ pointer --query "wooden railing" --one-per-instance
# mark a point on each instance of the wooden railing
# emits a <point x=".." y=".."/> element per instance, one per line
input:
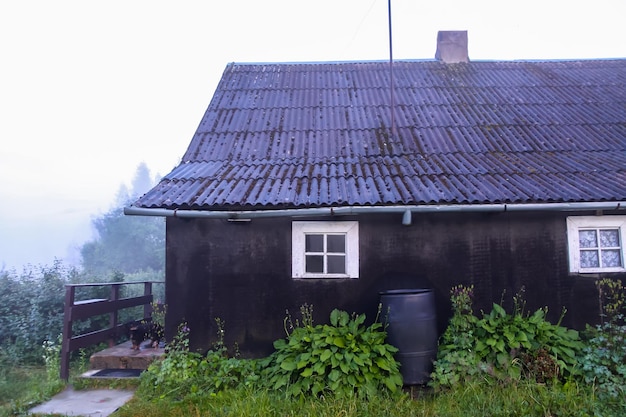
<point x="84" y="309"/>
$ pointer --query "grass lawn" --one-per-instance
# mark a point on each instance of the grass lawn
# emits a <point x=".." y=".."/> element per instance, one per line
<point x="523" y="399"/>
<point x="23" y="387"/>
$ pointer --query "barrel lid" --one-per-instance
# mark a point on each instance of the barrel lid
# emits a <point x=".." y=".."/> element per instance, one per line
<point x="405" y="291"/>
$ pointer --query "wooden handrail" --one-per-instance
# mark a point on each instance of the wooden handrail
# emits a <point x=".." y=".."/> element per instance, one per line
<point x="83" y="309"/>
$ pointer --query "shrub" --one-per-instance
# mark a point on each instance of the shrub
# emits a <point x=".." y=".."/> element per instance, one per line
<point x="456" y="357"/>
<point x="604" y="356"/>
<point x="342" y="359"/>
<point x="31" y="309"/>
<point x="184" y="374"/>
<point x="502" y="345"/>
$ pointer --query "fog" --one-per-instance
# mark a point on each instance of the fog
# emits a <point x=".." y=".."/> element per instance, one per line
<point x="88" y="90"/>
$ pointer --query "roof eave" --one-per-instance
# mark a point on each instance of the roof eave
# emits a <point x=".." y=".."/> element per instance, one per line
<point x="355" y="210"/>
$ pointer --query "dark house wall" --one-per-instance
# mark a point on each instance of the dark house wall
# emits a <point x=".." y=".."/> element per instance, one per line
<point x="241" y="272"/>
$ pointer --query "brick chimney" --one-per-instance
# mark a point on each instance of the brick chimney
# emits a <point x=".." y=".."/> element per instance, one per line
<point x="452" y="46"/>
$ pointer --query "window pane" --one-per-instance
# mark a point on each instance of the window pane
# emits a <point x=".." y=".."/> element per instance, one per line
<point x="336" y="243"/>
<point x="588" y="239"/>
<point x="611" y="259"/>
<point x="314" y="243"/>
<point x="314" y="264"/>
<point x="609" y="238"/>
<point x="336" y="264"/>
<point x="589" y="259"/>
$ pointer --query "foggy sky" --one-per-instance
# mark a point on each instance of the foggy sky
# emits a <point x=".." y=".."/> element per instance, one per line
<point x="88" y="90"/>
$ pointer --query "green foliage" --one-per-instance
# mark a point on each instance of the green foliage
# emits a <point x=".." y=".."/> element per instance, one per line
<point x="604" y="356"/>
<point x="500" y="336"/>
<point x="128" y="244"/>
<point x="31" y="309"/>
<point x="457" y="360"/>
<point x="173" y="376"/>
<point x="474" y="399"/>
<point x="52" y="359"/>
<point x="604" y="360"/>
<point x="184" y="374"/>
<point x="21" y="387"/>
<point x="612" y="297"/>
<point x="342" y="358"/>
<point x="32" y="304"/>
<point x="159" y="312"/>
<point x="503" y="346"/>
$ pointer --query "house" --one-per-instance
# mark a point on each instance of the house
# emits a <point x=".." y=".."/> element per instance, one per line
<point x="326" y="183"/>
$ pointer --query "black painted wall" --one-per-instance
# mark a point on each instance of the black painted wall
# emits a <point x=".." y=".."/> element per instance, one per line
<point x="241" y="272"/>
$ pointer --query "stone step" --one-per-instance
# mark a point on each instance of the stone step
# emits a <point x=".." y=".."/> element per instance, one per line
<point x="100" y="374"/>
<point x="123" y="356"/>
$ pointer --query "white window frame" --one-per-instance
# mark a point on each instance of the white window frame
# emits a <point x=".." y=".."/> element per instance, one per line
<point x="576" y="223"/>
<point x="299" y="229"/>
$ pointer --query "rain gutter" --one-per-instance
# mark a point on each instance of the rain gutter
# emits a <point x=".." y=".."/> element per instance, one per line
<point x="352" y="210"/>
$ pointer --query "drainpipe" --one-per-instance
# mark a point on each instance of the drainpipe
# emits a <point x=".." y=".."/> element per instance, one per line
<point x="352" y="210"/>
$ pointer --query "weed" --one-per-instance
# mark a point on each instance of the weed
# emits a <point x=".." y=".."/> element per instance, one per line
<point x="184" y="374"/>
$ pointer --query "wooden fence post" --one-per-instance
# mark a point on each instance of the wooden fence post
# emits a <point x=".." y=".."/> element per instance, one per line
<point x="147" y="308"/>
<point x="70" y="292"/>
<point x="113" y="316"/>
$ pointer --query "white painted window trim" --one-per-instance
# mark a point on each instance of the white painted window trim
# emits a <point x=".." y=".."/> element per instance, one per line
<point x="300" y="228"/>
<point x="575" y="223"/>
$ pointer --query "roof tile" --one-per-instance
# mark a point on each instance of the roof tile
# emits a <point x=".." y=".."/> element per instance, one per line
<point x="322" y="134"/>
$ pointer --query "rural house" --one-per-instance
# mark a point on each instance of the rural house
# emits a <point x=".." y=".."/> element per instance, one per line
<point x="326" y="183"/>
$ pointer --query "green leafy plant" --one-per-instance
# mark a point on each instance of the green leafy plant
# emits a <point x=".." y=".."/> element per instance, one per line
<point x="456" y="357"/>
<point x="503" y="345"/>
<point x="342" y="359"/>
<point x="52" y="360"/>
<point x="604" y="356"/>
<point x="159" y="311"/>
<point x="171" y="376"/>
<point x="185" y="374"/>
<point x="501" y="336"/>
<point x="612" y="300"/>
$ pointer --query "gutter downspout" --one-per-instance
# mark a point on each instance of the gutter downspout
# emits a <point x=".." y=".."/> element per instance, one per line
<point x="352" y="210"/>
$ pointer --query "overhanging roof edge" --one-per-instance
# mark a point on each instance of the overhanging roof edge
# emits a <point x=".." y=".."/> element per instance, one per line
<point x="352" y="210"/>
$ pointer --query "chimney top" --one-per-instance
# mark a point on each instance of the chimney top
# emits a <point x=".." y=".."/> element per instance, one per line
<point x="452" y="46"/>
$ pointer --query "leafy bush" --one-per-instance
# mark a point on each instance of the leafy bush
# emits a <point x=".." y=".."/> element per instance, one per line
<point x="31" y="309"/>
<point x="502" y="345"/>
<point x="604" y="360"/>
<point x="457" y="360"/>
<point x="501" y="337"/>
<point x="184" y="374"/>
<point x="604" y="356"/>
<point x="342" y="359"/>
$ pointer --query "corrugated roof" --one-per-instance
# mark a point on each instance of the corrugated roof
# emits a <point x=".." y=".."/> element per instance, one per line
<point x="319" y="134"/>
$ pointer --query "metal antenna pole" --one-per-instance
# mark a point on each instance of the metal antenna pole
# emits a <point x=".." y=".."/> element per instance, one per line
<point x="391" y="95"/>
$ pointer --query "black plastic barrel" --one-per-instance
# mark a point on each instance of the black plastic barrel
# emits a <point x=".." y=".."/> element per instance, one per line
<point x="411" y="327"/>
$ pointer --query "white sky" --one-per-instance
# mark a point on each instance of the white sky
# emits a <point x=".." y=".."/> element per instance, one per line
<point x="90" y="89"/>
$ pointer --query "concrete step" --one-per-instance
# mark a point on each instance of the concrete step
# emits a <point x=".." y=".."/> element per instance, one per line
<point x="123" y="356"/>
<point x="103" y="374"/>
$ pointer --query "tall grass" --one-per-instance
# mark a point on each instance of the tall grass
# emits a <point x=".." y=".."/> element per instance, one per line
<point x="23" y="387"/>
<point x="476" y="399"/>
